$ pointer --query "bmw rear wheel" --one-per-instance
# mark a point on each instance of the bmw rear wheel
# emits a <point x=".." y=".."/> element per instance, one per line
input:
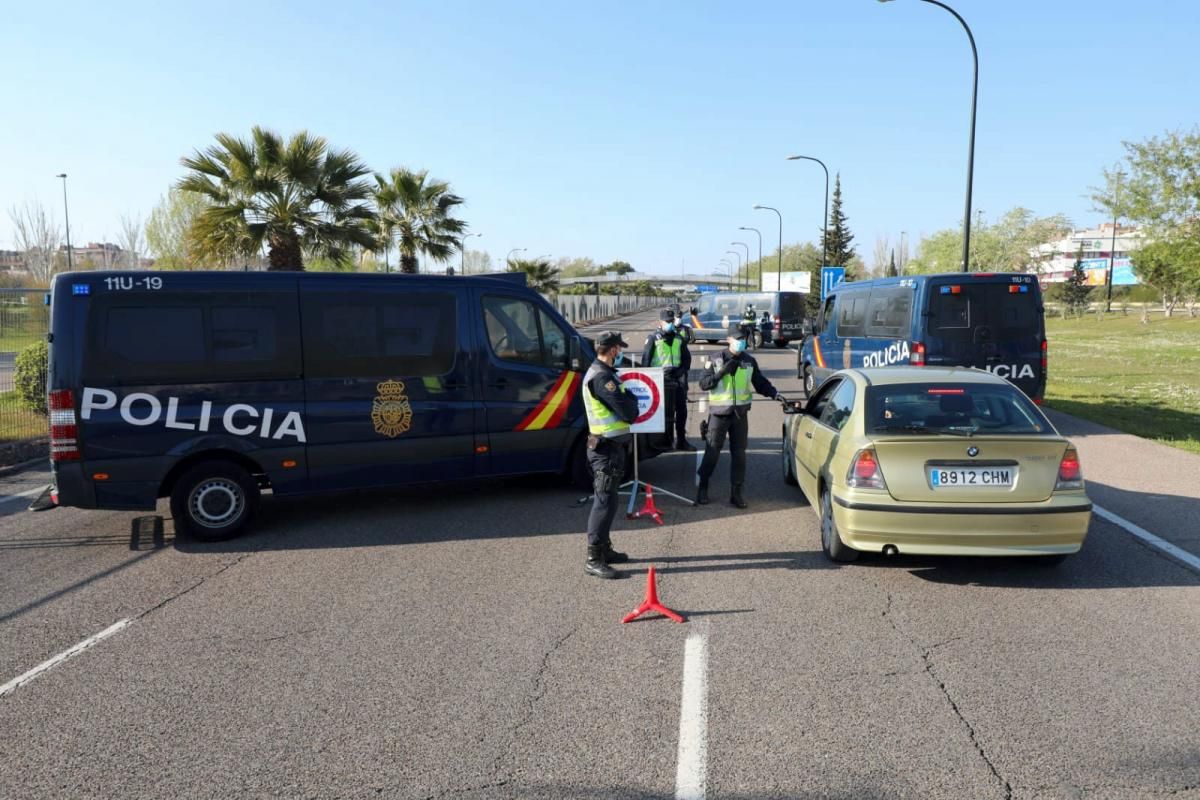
<point x="831" y="540"/>
<point x="789" y="472"/>
<point x="810" y="381"/>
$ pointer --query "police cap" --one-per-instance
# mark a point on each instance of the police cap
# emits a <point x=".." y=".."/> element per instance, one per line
<point x="667" y="315"/>
<point x="610" y="339"/>
<point x="737" y="332"/>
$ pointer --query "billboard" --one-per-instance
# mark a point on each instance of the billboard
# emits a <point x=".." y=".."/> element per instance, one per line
<point x="787" y="282"/>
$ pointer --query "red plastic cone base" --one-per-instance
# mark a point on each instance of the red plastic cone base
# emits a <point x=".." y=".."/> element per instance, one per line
<point x="651" y="602"/>
<point x="649" y="509"/>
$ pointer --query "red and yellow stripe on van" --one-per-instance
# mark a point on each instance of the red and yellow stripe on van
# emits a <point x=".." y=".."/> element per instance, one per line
<point x="553" y="407"/>
<point x="817" y="353"/>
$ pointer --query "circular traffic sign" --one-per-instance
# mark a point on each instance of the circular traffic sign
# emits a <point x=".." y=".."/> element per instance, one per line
<point x="646" y="391"/>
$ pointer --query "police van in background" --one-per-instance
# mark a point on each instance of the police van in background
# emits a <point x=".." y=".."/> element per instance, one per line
<point x="209" y="387"/>
<point x="992" y="321"/>
<point x="714" y="312"/>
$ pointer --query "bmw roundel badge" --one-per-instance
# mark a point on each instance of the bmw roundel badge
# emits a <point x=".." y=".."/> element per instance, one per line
<point x="972" y="451"/>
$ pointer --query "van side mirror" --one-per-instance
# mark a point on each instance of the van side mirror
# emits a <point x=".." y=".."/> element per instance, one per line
<point x="808" y="327"/>
<point x="694" y="310"/>
<point x="576" y="354"/>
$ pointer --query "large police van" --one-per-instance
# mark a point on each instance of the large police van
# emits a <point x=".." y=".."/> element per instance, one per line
<point x="992" y="321"/>
<point x="714" y="312"/>
<point x="208" y="387"/>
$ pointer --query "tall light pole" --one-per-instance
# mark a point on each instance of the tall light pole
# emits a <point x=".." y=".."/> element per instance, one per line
<point x="743" y="244"/>
<point x="1112" y="250"/>
<point x="738" y="256"/>
<point x="462" y="249"/>
<point x="966" y="251"/>
<point x="825" y="223"/>
<point x="760" y="261"/>
<point x="779" y="282"/>
<point x="67" y="216"/>
<point x="727" y="273"/>
<point x="508" y="258"/>
<point x="903" y="254"/>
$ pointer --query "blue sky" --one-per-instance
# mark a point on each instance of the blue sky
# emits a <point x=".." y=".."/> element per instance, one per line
<point x="635" y="131"/>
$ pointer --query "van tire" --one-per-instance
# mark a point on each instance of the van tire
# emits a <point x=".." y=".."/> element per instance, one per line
<point x="213" y="501"/>
<point x="781" y="343"/>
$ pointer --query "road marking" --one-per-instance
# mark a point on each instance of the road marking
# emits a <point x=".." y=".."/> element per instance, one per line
<point x="1178" y="553"/>
<point x="10" y="498"/>
<point x="691" y="772"/>
<point x="21" y="680"/>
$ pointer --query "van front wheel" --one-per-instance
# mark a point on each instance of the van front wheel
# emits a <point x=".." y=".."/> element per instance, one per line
<point x="213" y="501"/>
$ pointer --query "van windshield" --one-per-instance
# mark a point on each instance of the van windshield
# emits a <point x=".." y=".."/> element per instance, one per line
<point x="958" y="311"/>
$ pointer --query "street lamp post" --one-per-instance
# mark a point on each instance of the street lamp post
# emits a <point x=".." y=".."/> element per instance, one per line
<point x="67" y="217"/>
<point x="727" y="273"/>
<point x="1112" y="250"/>
<point x="779" y="281"/>
<point x="825" y="223"/>
<point x="508" y="258"/>
<point x="738" y="255"/>
<point x="462" y="249"/>
<point x="966" y="251"/>
<point x="743" y="244"/>
<point x="760" y="261"/>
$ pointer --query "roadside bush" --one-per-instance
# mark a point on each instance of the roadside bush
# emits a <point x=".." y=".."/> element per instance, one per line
<point x="29" y="378"/>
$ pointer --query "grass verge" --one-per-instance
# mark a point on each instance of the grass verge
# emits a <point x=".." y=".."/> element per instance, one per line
<point x="18" y="423"/>
<point x="1141" y="379"/>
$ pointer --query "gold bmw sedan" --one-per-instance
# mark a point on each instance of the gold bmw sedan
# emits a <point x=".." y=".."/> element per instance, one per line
<point x="934" y="461"/>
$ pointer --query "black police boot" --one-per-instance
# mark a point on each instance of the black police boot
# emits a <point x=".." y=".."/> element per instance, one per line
<point x="702" y="492"/>
<point x="684" y="445"/>
<point x="613" y="556"/>
<point x="735" y="497"/>
<point x="595" y="563"/>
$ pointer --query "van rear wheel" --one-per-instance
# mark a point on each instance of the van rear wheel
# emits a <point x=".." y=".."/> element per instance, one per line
<point x="213" y="501"/>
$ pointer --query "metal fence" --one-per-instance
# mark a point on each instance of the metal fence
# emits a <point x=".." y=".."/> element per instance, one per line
<point x="583" y="308"/>
<point x="24" y="320"/>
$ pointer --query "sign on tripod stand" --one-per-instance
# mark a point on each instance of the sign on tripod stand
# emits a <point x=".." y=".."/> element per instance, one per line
<point x="647" y="386"/>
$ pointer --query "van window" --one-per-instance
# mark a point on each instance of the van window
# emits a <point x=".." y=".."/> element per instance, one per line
<point x="521" y="332"/>
<point x="192" y="338"/>
<point x="827" y="313"/>
<point x="728" y="304"/>
<point x="791" y="306"/>
<point x="888" y="313"/>
<point x="852" y="314"/>
<point x="358" y="334"/>
<point x="1007" y="314"/>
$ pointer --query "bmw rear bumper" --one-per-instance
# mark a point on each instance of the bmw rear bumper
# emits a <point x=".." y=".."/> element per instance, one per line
<point x="871" y="522"/>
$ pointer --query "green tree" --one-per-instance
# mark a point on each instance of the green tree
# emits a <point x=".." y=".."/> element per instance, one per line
<point x="293" y="197"/>
<point x="539" y="274"/>
<point x="1009" y="245"/>
<point x="168" y="230"/>
<point x="840" y="247"/>
<point x="619" y="267"/>
<point x="416" y="212"/>
<point x="1075" y="292"/>
<point x="892" y="272"/>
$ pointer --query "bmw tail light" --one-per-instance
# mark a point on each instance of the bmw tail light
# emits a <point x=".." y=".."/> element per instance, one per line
<point x="1070" y="471"/>
<point x="864" y="471"/>
<point x="916" y="356"/>
<point x="64" y="430"/>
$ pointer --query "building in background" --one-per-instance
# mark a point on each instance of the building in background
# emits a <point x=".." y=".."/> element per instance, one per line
<point x="1055" y="260"/>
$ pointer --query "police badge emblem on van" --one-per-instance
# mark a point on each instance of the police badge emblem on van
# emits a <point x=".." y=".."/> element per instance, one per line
<point x="391" y="412"/>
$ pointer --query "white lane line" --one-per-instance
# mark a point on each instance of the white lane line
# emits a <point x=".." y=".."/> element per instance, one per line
<point x="21" y="680"/>
<point x="691" y="771"/>
<point x="1177" y="553"/>
<point x="10" y="498"/>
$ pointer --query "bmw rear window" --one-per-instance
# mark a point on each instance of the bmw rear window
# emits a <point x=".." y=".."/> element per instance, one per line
<point x="958" y="310"/>
<point x="965" y="409"/>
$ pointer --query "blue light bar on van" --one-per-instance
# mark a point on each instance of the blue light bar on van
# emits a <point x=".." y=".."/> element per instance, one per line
<point x="81" y="288"/>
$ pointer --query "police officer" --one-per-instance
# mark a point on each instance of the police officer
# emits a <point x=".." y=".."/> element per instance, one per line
<point x="610" y="411"/>
<point x="730" y="381"/>
<point x="667" y="348"/>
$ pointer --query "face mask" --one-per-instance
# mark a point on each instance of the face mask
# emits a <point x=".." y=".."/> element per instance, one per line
<point x="669" y="327"/>
<point x="737" y="346"/>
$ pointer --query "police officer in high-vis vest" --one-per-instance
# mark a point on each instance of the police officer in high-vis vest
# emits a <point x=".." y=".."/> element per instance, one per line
<point x="666" y="347"/>
<point x="610" y="411"/>
<point x="730" y="380"/>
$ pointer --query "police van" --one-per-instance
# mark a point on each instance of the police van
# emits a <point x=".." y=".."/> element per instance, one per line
<point x="714" y="312"/>
<point x="209" y="387"/>
<point x="992" y="321"/>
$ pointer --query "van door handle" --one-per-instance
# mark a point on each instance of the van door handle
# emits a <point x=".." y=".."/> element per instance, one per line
<point x="499" y="383"/>
<point x="456" y="385"/>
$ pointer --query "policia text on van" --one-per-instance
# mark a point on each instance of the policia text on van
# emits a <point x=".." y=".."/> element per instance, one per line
<point x="209" y="387"/>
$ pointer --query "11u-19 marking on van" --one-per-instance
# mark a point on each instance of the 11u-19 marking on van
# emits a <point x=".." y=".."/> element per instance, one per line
<point x="239" y="419"/>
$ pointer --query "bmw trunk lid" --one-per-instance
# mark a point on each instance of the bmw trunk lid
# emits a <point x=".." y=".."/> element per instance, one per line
<point x="979" y="469"/>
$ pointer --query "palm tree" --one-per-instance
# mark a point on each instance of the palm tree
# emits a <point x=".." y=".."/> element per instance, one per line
<point x="295" y="197"/>
<point x="539" y="275"/>
<point x="414" y="210"/>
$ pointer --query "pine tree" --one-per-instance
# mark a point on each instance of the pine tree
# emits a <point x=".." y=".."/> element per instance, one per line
<point x="838" y="250"/>
<point x="1075" y="292"/>
<point x="891" y="270"/>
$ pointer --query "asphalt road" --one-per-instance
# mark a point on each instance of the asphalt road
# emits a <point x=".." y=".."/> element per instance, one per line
<point x="447" y="644"/>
